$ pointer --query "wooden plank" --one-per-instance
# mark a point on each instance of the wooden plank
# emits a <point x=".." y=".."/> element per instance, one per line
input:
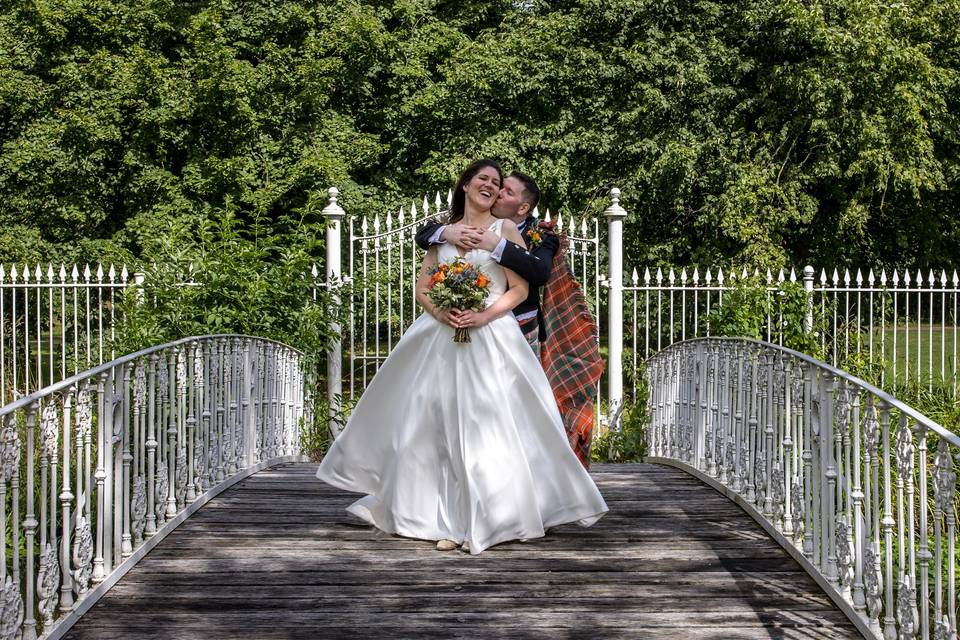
<point x="309" y="624"/>
<point x="277" y="557"/>
<point x="336" y="592"/>
<point x="747" y="581"/>
<point x="538" y="617"/>
<point x="428" y="632"/>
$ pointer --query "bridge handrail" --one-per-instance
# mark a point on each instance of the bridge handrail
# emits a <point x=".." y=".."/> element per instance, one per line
<point x="890" y="400"/>
<point x="805" y="448"/>
<point x="104" y="464"/>
<point x="66" y="383"/>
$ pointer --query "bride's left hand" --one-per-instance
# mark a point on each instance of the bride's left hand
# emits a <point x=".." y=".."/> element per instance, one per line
<point x="469" y="319"/>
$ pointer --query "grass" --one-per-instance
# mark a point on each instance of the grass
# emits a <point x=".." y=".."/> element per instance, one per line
<point x="944" y="342"/>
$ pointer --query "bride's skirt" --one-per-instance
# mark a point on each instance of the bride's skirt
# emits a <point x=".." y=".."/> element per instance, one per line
<point x="461" y="442"/>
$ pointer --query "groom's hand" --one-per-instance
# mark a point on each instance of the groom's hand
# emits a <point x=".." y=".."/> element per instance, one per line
<point x="488" y="241"/>
<point x="463" y="235"/>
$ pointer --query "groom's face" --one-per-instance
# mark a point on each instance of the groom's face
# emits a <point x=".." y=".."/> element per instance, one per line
<point x="510" y="199"/>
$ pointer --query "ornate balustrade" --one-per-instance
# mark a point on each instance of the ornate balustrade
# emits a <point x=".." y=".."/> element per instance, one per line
<point x="96" y="469"/>
<point x="860" y="488"/>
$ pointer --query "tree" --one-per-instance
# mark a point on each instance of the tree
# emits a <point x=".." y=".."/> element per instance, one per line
<point x="765" y="133"/>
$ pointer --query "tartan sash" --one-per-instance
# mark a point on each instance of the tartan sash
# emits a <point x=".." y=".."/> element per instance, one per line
<point x="570" y="355"/>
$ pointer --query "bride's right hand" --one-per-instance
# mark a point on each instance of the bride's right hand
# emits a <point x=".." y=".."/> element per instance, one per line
<point x="448" y="317"/>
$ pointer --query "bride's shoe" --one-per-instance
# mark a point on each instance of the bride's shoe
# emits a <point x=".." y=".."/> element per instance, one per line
<point x="465" y="547"/>
<point x="446" y="545"/>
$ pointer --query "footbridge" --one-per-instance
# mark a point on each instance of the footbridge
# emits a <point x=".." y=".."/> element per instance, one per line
<point x="166" y="494"/>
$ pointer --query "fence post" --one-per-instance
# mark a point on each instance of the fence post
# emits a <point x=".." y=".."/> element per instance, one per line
<point x="334" y="214"/>
<point x="808" y="273"/>
<point x="615" y="215"/>
<point x="139" y="278"/>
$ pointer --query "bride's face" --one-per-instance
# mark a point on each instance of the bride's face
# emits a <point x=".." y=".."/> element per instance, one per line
<point x="483" y="188"/>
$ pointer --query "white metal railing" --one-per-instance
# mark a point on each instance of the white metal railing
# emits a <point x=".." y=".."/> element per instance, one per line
<point x="858" y="486"/>
<point x="97" y="468"/>
<point x="55" y="322"/>
<point x="906" y="323"/>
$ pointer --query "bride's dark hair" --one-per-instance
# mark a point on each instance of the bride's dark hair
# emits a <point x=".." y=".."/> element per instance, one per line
<point x="459" y="197"/>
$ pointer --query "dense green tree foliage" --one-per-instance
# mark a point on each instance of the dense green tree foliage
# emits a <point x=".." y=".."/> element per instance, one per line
<point x="762" y="132"/>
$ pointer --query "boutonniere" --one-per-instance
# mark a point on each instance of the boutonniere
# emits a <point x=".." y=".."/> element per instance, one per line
<point x="536" y="230"/>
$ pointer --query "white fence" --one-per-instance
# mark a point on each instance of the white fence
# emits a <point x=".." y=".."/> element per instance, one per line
<point x="56" y="321"/>
<point x="905" y="324"/>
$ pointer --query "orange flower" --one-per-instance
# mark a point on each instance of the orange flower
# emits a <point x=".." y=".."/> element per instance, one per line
<point x="443" y="266"/>
<point x="438" y="277"/>
<point x="482" y="281"/>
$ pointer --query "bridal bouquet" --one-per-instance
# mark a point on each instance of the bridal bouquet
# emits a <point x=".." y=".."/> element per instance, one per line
<point x="458" y="285"/>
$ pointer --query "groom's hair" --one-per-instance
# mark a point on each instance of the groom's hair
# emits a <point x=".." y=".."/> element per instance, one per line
<point x="531" y="192"/>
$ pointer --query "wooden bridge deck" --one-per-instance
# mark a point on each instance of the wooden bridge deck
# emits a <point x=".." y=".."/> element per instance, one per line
<point x="277" y="557"/>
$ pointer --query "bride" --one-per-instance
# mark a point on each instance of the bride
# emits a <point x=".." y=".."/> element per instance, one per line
<point x="463" y="443"/>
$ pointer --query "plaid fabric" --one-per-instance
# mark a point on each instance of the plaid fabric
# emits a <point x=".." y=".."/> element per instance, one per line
<point x="533" y="339"/>
<point x="570" y="355"/>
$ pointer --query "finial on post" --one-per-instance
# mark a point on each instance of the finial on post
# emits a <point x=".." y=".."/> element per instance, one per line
<point x="615" y="210"/>
<point x="333" y="210"/>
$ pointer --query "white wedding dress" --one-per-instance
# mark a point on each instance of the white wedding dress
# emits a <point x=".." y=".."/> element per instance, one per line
<point x="462" y="441"/>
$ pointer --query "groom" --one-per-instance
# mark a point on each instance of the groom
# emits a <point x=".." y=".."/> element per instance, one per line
<point x="518" y="198"/>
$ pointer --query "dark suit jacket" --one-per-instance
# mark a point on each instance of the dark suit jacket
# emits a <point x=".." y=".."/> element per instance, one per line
<point x="532" y="265"/>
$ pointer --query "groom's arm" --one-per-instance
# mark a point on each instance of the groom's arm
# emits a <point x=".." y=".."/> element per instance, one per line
<point x="429" y="234"/>
<point x="533" y="266"/>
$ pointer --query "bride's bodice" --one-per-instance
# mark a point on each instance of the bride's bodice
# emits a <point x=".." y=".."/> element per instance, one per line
<point x="448" y="252"/>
